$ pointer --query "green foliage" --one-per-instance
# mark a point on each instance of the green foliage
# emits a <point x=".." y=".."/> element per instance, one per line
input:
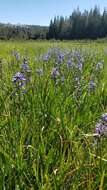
<point x="46" y="134"/>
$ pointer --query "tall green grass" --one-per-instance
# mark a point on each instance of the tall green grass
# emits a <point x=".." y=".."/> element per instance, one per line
<point x="46" y="134"/>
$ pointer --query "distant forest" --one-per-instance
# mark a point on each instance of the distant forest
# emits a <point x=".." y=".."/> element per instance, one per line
<point x="25" y="32"/>
<point x="80" y="25"/>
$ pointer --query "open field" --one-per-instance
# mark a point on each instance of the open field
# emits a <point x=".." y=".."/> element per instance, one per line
<point x="53" y="121"/>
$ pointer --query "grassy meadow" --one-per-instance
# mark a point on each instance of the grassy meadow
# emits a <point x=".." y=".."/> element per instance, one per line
<point x="53" y="121"/>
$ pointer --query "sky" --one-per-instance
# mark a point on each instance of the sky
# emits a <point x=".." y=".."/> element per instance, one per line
<point x="40" y="12"/>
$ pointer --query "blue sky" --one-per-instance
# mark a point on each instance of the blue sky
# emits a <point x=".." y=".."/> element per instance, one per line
<point x="39" y="12"/>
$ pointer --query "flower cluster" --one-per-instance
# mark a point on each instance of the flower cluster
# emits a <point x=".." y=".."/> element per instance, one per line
<point x="25" y="67"/>
<point x="92" y="85"/>
<point x="101" y="126"/>
<point x="54" y="73"/>
<point x="65" y="67"/>
<point x="20" y="79"/>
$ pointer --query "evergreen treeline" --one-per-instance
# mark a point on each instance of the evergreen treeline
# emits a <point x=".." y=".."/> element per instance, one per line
<point x="80" y="25"/>
<point x="26" y="32"/>
<point x="87" y="25"/>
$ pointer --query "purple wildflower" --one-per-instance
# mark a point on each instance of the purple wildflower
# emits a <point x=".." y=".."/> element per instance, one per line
<point x="18" y="77"/>
<point x="69" y="63"/>
<point x="54" y="73"/>
<point x="46" y="57"/>
<point x="104" y="117"/>
<point x="92" y="85"/>
<point x="101" y="129"/>
<point x="79" y="66"/>
<point x="59" y="57"/>
<point x="25" y="68"/>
